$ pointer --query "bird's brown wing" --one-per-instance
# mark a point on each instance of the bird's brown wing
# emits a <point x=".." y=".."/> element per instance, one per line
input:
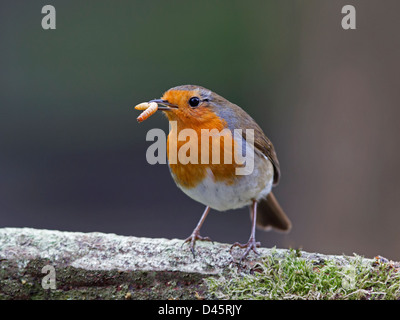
<point x="265" y="146"/>
<point x="261" y="142"/>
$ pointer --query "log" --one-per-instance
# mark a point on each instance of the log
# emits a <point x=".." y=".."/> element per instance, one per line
<point x="46" y="264"/>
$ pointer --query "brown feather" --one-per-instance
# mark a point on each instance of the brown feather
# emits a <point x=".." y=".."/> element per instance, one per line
<point x="265" y="146"/>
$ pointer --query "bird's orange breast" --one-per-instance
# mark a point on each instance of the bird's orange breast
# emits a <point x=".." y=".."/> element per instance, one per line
<point x="191" y="174"/>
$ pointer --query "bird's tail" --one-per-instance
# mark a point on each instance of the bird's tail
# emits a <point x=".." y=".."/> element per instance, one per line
<point x="270" y="215"/>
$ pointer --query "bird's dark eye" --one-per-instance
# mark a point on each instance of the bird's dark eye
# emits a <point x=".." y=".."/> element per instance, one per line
<point x="194" y="101"/>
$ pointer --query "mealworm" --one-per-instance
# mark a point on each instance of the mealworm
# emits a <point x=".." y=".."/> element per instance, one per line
<point x="149" y="110"/>
<point x="142" y="106"/>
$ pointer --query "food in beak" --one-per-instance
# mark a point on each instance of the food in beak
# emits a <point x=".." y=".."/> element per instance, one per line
<point x="149" y="109"/>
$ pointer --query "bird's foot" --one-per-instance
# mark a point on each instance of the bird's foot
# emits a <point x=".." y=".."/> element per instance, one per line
<point x="193" y="238"/>
<point x="250" y="245"/>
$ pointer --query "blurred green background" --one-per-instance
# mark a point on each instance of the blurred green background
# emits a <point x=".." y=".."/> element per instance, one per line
<point x="72" y="156"/>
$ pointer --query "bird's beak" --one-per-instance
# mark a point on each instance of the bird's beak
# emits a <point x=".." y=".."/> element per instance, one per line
<point x="164" y="105"/>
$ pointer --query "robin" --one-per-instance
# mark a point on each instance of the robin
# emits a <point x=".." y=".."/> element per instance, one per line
<point x="217" y="185"/>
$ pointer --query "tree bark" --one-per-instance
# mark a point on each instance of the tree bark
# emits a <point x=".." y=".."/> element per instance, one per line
<point x="108" y="266"/>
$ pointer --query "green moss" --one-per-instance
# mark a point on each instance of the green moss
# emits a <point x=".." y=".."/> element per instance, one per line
<point x="294" y="277"/>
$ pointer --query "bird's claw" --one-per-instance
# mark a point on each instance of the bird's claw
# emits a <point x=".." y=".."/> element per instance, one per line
<point x="193" y="238"/>
<point x="250" y="245"/>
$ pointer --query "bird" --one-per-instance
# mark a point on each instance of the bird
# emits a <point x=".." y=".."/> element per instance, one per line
<point x="216" y="184"/>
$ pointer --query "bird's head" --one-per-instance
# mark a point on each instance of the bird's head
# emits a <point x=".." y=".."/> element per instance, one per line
<point x="192" y="106"/>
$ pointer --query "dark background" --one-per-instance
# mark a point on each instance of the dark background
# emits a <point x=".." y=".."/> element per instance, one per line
<point x="72" y="156"/>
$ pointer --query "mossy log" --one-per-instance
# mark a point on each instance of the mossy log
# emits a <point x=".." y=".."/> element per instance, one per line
<point x="108" y="266"/>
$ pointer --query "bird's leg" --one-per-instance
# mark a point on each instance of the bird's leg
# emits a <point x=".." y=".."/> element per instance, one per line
<point x="251" y="244"/>
<point x="196" y="232"/>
